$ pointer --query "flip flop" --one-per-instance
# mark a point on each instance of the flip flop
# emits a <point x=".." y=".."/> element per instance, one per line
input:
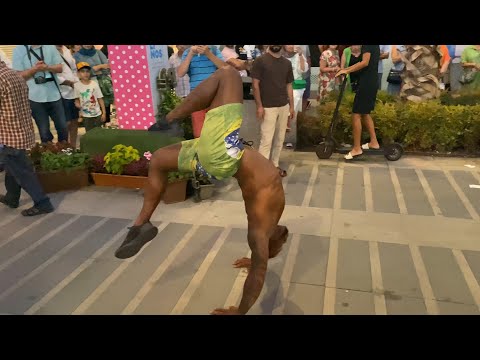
<point x="349" y="156"/>
<point x="366" y="146"/>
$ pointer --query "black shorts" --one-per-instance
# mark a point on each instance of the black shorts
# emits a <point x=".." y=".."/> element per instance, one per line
<point x="71" y="111"/>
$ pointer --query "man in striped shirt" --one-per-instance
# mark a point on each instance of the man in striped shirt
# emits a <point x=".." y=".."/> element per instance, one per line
<point x="16" y="137"/>
<point x="199" y="62"/>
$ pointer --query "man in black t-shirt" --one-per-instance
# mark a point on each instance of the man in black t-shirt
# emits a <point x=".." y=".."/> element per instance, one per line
<point x="272" y="76"/>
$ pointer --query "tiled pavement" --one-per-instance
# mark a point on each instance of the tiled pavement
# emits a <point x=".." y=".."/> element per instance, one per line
<point x="366" y="238"/>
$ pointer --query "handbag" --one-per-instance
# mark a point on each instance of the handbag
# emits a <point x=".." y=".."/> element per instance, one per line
<point x="395" y="77"/>
<point x="468" y="76"/>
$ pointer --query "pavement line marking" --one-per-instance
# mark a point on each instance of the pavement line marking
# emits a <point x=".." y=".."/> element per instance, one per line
<point x="290" y="170"/>
<point x="25" y="229"/>
<point x="468" y="275"/>
<point x="342" y="161"/>
<point x="331" y="278"/>
<point x="429" y="193"/>
<point x="60" y="286"/>
<point x="367" y="185"/>
<point x="200" y="274"/>
<point x="37" y="243"/>
<point x="461" y="195"/>
<point x="152" y="280"/>
<point x="337" y="203"/>
<point x="377" y="281"/>
<point x="95" y="295"/>
<point x="311" y="183"/>
<point x="425" y="287"/>
<point x="7" y="218"/>
<point x="234" y="298"/>
<point x="280" y="300"/>
<point x="398" y="191"/>
<point x="476" y="175"/>
<point x="54" y="258"/>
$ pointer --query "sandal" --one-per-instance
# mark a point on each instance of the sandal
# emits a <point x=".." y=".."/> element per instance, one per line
<point x="33" y="211"/>
<point x="349" y="156"/>
<point x="4" y="201"/>
<point x="282" y="172"/>
<point x="366" y="146"/>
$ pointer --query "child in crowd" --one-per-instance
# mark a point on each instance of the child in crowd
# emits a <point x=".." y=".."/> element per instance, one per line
<point x="89" y="99"/>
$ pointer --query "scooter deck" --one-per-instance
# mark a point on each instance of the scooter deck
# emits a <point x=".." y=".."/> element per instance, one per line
<point x="346" y="150"/>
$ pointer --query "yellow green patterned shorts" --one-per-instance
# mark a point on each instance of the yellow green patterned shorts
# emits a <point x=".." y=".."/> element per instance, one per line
<point x="218" y="150"/>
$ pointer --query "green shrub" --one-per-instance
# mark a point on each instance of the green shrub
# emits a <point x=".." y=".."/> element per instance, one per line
<point x="67" y="159"/>
<point x="464" y="97"/>
<point x="426" y="126"/>
<point x="120" y="156"/>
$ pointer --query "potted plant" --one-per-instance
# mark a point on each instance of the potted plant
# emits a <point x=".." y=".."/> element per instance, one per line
<point x="59" y="167"/>
<point x="123" y="167"/>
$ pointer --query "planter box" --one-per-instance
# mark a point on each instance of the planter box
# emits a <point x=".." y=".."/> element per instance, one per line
<point x="176" y="191"/>
<point x="123" y="181"/>
<point x="62" y="180"/>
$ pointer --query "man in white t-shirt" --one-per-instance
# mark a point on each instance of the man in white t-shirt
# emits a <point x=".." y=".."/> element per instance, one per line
<point x="384" y="54"/>
<point x="183" y="82"/>
<point x="67" y="79"/>
<point x="307" y="76"/>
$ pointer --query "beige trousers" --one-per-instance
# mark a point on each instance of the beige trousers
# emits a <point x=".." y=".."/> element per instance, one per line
<point x="273" y="128"/>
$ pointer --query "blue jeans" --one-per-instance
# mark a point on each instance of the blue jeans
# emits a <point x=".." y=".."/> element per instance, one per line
<point x="42" y="112"/>
<point x="394" y="89"/>
<point x="19" y="173"/>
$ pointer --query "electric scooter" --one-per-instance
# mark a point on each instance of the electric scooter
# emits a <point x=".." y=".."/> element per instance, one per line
<point x="329" y="145"/>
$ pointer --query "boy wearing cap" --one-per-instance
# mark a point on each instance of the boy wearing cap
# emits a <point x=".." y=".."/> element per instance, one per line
<point x="89" y="99"/>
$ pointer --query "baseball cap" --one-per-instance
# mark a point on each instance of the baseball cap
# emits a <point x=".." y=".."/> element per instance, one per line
<point x="82" y="65"/>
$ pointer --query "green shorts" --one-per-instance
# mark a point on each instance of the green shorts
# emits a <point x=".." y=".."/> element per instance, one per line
<point x="217" y="152"/>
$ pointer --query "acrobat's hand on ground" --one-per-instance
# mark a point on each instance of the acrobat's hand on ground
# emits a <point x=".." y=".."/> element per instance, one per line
<point x="242" y="263"/>
<point x="232" y="310"/>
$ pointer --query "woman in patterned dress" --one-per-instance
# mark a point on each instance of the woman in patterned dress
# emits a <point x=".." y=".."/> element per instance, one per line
<point x="329" y="66"/>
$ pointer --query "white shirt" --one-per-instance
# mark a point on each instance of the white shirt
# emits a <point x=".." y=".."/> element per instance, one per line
<point x="5" y="59"/>
<point x="88" y="96"/>
<point x="183" y="83"/>
<point x="458" y="53"/>
<point x="297" y="71"/>
<point x="383" y="49"/>
<point x="69" y="72"/>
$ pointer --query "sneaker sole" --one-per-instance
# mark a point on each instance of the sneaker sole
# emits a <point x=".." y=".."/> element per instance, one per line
<point x="132" y="249"/>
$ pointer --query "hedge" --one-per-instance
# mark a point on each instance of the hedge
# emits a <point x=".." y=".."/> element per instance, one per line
<point x="427" y="126"/>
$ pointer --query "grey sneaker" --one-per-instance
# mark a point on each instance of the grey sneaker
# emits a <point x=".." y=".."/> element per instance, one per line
<point x="136" y="238"/>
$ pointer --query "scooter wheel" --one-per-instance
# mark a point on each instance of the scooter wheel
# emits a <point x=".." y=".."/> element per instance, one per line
<point x="393" y="152"/>
<point x="324" y="150"/>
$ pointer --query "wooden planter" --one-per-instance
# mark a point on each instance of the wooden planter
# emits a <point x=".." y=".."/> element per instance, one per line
<point x="176" y="191"/>
<point x="63" y="180"/>
<point x="123" y="181"/>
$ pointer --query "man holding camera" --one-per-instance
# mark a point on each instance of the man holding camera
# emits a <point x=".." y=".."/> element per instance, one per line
<point x="38" y="65"/>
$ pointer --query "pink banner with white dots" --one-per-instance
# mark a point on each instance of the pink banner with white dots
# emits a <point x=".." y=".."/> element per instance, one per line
<point x="135" y="69"/>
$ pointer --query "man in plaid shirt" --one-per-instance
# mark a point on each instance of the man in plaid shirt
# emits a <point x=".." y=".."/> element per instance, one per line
<point x="16" y="137"/>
